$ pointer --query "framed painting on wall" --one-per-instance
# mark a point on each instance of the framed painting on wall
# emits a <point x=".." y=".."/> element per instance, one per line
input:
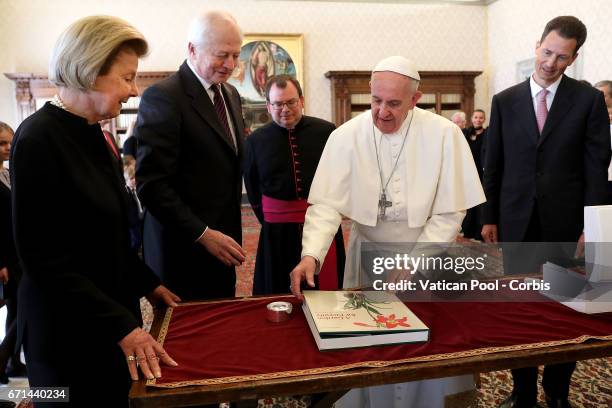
<point x="524" y="69"/>
<point x="261" y="57"/>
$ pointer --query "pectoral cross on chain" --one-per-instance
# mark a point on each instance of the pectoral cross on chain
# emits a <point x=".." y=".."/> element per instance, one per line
<point x="383" y="204"/>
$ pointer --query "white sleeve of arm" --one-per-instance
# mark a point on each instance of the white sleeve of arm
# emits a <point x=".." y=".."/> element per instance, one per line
<point x="441" y="228"/>
<point x="320" y="226"/>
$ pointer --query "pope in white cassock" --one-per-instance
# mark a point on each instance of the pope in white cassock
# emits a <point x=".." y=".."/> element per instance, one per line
<point x="401" y="174"/>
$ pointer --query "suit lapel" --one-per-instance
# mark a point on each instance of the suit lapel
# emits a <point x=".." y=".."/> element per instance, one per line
<point x="201" y="102"/>
<point x="561" y="104"/>
<point x="523" y="107"/>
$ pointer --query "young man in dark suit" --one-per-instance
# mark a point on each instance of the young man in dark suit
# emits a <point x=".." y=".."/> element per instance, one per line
<point x="189" y="133"/>
<point x="548" y="151"/>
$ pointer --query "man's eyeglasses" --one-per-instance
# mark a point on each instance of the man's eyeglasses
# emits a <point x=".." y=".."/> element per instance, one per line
<point x="292" y="103"/>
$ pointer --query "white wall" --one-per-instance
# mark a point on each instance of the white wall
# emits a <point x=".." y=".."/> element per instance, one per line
<point x="516" y="25"/>
<point x="337" y="36"/>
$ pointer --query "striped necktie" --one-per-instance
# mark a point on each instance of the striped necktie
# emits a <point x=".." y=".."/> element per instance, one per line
<point x="222" y="114"/>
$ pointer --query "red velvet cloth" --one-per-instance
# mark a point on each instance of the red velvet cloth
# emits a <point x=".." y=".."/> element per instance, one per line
<point x="232" y="340"/>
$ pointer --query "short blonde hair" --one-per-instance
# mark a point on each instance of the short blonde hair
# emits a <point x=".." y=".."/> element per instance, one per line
<point x="88" y="47"/>
<point x="4" y="127"/>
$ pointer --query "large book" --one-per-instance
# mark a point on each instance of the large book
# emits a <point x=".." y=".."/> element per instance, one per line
<point x="346" y="319"/>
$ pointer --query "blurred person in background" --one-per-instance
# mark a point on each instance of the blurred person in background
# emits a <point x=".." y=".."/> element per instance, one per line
<point x="476" y="138"/>
<point x="10" y="273"/>
<point x="459" y="119"/>
<point x="606" y="88"/>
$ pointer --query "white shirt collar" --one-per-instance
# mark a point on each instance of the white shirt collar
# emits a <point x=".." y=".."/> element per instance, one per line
<point x="552" y="88"/>
<point x="204" y="82"/>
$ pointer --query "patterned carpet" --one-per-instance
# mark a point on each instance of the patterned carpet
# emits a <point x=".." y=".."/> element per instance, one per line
<point x="591" y="383"/>
<point x="591" y="386"/>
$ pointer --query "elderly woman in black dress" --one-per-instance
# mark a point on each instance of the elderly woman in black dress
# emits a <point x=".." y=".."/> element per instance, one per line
<point x="79" y="315"/>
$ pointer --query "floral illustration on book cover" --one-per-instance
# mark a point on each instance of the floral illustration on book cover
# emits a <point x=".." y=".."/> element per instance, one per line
<point x="357" y="300"/>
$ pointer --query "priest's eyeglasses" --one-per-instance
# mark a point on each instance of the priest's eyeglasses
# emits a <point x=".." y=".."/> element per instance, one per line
<point x="291" y="103"/>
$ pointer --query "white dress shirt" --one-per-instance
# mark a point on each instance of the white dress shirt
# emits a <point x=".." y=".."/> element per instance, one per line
<point x="535" y="89"/>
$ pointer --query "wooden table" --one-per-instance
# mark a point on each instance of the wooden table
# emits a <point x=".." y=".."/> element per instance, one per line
<point x="333" y="385"/>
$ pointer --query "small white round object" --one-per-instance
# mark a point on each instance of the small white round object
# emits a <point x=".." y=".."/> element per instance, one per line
<point x="277" y="312"/>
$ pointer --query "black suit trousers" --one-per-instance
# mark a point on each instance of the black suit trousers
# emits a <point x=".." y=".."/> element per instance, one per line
<point x="527" y="257"/>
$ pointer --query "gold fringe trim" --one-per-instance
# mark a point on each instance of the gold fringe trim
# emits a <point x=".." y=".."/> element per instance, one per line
<point x="241" y="299"/>
<point x="163" y="331"/>
<point x="380" y="364"/>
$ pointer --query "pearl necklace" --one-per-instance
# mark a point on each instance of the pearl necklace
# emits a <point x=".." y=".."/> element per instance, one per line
<point x="56" y="101"/>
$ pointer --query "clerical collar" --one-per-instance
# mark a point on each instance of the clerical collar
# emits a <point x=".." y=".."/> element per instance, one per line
<point x="297" y="125"/>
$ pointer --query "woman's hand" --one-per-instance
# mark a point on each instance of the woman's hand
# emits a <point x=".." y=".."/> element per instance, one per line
<point x="141" y="350"/>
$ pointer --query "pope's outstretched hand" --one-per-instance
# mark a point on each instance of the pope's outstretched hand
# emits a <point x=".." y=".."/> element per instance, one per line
<point x="304" y="271"/>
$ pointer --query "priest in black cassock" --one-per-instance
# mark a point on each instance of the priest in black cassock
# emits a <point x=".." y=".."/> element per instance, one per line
<point x="281" y="159"/>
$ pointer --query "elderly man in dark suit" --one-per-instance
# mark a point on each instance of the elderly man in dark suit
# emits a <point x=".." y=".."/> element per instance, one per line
<point x="190" y="132"/>
<point x="547" y="155"/>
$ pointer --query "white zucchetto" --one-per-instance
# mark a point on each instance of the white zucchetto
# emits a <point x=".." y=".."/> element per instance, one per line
<point x="399" y="65"/>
